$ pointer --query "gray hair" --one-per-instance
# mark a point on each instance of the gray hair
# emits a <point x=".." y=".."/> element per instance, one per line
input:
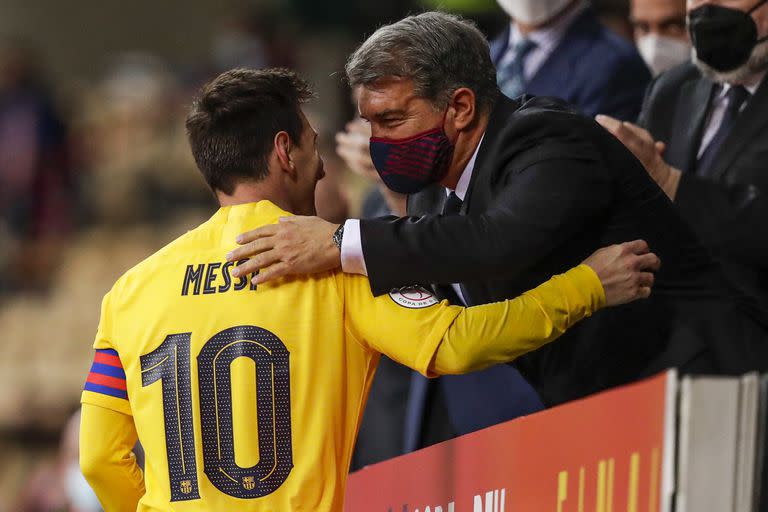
<point x="440" y="52"/>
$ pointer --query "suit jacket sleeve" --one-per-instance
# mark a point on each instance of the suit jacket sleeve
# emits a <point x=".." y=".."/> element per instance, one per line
<point x="537" y="207"/>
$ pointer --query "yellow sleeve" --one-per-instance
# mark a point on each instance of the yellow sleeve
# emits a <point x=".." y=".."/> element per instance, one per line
<point x="406" y="325"/>
<point x="482" y="336"/>
<point x="107" y="439"/>
<point x="105" y="385"/>
<point x="435" y="338"/>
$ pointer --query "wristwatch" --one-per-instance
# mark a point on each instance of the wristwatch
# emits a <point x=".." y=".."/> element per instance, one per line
<point x="338" y="235"/>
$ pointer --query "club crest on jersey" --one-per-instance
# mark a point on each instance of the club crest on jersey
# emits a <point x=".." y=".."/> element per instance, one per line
<point x="186" y="486"/>
<point x="413" y="297"/>
<point x="249" y="483"/>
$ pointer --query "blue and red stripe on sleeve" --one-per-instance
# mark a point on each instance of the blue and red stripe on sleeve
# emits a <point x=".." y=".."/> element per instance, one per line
<point x="107" y="375"/>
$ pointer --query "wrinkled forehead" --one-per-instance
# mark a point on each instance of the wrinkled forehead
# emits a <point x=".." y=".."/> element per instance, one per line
<point x="385" y="95"/>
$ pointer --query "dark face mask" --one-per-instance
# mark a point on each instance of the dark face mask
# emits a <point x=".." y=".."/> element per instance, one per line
<point x="409" y="165"/>
<point x="723" y="37"/>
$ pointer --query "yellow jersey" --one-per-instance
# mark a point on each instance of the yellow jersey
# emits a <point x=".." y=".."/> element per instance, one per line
<point x="249" y="398"/>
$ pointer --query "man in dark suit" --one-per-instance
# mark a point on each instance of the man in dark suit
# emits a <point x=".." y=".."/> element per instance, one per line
<point x="660" y="33"/>
<point x="703" y="137"/>
<point x="549" y="48"/>
<point x="525" y="187"/>
<point x="559" y="48"/>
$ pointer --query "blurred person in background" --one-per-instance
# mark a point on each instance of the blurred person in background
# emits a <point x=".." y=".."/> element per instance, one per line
<point x="254" y="38"/>
<point x="660" y="33"/>
<point x="559" y="48"/>
<point x="59" y="485"/>
<point x="614" y="15"/>
<point x="80" y="496"/>
<point x="36" y="181"/>
<point x="703" y="136"/>
<point x="238" y="41"/>
<point x="133" y="148"/>
<point x="42" y="489"/>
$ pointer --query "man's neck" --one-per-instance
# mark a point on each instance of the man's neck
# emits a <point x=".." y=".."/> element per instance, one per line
<point x="246" y="192"/>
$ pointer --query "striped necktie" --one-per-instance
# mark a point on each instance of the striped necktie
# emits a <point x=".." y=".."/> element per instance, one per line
<point x="511" y="78"/>
<point x="736" y="95"/>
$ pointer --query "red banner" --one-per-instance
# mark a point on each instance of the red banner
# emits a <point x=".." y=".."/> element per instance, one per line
<point x="609" y="452"/>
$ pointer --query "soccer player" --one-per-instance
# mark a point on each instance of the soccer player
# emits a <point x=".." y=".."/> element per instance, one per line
<point x="248" y="398"/>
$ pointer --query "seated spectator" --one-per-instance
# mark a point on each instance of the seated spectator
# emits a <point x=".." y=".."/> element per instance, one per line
<point x="702" y="136"/>
<point x="559" y="48"/>
<point x="36" y="184"/>
<point x="614" y="15"/>
<point x="660" y="33"/>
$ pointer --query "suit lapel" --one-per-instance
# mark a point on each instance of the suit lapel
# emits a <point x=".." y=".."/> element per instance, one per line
<point x="689" y="123"/>
<point x="748" y="124"/>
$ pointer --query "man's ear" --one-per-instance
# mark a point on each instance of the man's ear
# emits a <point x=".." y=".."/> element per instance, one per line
<point x="282" y="148"/>
<point x="464" y="106"/>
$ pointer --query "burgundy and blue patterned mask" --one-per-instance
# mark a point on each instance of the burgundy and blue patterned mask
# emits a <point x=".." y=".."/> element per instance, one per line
<point x="409" y="165"/>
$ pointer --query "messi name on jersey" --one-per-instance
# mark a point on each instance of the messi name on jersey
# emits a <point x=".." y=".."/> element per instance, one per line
<point x="208" y="278"/>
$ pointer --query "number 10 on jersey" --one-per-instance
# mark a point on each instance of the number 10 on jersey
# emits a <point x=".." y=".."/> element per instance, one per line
<point x="170" y="364"/>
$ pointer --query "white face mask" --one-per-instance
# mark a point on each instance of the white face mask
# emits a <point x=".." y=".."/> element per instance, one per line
<point x="533" y="12"/>
<point x="662" y="52"/>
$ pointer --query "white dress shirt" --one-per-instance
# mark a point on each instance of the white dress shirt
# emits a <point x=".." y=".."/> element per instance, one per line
<point x="546" y="40"/>
<point x="717" y="112"/>
<point x="352" y="259"/>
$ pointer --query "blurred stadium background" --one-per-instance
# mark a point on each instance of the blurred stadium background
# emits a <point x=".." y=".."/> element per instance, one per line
<point x="95" y="172"/>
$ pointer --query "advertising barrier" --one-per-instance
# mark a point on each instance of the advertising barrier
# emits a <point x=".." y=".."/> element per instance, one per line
<point x="609" y="452"/>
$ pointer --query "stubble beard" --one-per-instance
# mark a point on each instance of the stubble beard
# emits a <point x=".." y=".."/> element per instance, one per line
<point x="744" y="74"/>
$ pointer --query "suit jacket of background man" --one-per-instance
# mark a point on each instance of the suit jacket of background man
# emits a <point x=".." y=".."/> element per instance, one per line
<point x="728" y="212"/>
<point x="549" y="187"/>
<point x="591" y="68"/>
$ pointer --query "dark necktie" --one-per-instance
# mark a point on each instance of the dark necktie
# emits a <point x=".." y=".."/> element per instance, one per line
<point x="452" y="204"/>
<point x="452" y="207"/>
<point x="736" y="95"/>
<point x="511" y="78"/>
<point x="421" y="391"/>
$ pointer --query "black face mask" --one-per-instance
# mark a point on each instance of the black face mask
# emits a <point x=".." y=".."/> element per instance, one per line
<point x="724" y="38"/>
